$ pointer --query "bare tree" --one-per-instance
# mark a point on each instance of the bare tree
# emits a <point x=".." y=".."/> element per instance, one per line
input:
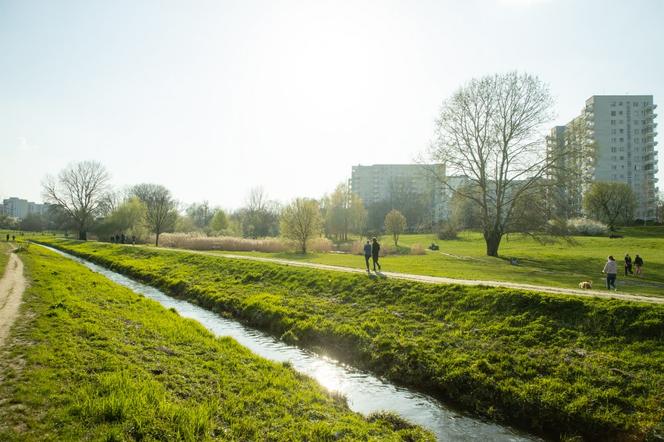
<point x="79" y="190"/>
<point x="161" y="208"/>
<point x="490" y="131"/>
<point x="257" y="201"/>
<point x="611" y="203"/>
<point x="301" y="221"/>
<point x="344" y="212"/>
<point x="395" y="224"/>
<point x="260" y="216"/>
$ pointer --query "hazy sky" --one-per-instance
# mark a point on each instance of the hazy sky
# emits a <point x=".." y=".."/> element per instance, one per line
<point x="211" y="98"/>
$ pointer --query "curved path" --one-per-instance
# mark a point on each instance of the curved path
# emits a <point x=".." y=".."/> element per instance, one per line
<point x="12" y="286"/>
<point x="442" y="280"/>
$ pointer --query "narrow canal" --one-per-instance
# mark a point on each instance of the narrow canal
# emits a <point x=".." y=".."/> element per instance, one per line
<point x="365" y="393"/>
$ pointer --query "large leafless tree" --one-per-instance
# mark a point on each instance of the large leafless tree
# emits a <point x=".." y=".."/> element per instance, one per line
<point x="161" y="208"/>
<point x="79" y="190"/>
<point x="491" y="132"/>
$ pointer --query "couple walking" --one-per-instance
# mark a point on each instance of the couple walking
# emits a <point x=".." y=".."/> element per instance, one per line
<point x="371" y="250"/>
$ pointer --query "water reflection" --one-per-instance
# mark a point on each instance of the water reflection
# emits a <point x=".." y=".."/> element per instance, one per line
<point x="365" y="393"/>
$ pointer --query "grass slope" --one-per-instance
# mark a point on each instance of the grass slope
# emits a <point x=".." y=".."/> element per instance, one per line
<point x="559" y="265"/>
<point x="91" y="360"/>
<point x="4" y="256"/>
<point x="554" y="364"/>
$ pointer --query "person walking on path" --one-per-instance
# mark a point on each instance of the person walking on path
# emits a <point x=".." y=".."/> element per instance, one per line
<point x="638" y="265"/>
<point x="611" y="270"/>
<point x="628" y="264"/>
<point x="8" y="237"/>
<point x="367" y="254"/>
<point x="375" y="249"/>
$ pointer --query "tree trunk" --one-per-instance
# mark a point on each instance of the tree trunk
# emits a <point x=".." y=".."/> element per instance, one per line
<point x="82" y="235"/>
<point x="156" y="241"/>
<point x="492" y="239"/>
<point x="304" y="247"/>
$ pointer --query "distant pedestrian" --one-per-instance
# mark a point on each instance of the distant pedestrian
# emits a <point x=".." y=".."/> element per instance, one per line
<point x="8" y="237"/>
<point x="375" y="250"/>
<point x="133" y="240"/>
<point x="611" y="270"/>
<point x="367" y="254"/>
<point x="638" y="265"/>
<point x="628" y="264"/>
<point x="13" y="237"/>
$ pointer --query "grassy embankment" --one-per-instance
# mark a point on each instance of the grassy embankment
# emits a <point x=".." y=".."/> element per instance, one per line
<point x="91" y="360"/>
<point x="559" y="365"/>
<point x="561" y="264"/>
<point x="4" y="256"/>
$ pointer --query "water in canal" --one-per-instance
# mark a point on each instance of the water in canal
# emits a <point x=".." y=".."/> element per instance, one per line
<point x="365" y="392"/>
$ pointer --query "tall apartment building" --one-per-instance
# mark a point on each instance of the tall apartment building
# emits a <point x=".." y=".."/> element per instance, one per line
<point x="620" y="131"/>
<point x="377" y="182"/>
<point x="19" y="208"/>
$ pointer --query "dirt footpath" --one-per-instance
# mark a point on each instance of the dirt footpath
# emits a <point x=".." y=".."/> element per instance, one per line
<point x="12" y="286"/>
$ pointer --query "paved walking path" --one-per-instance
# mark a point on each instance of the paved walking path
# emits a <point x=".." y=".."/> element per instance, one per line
<point x="442" y="280"/>
<point x="12" y="286"/>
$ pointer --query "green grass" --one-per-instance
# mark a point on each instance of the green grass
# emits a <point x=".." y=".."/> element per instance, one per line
<point x="4" y="256"/>
<point x="561" y="264"/>
<point x="559" y="365"/>
<point x="90" y="360"/>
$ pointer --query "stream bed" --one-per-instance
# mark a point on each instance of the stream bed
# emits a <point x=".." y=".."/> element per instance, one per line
<point x="365" y="392"/>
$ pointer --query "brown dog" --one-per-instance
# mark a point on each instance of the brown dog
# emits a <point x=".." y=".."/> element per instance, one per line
<point x="585" y="285"/>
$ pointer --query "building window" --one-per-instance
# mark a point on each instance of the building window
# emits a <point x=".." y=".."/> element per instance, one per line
<point x="614" y="149"/>
<point x="620" y="113"/>
<point x="613" y="113"/>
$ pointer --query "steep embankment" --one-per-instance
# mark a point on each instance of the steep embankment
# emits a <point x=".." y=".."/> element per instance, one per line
<point x="91" y="360"/>
<point x="560" y="365"/>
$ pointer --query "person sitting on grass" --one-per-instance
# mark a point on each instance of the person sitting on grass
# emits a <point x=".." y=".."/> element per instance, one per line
<point x="611" y="270"/>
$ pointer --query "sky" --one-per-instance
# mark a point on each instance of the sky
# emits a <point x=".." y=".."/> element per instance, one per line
<point x="213" y="98"/>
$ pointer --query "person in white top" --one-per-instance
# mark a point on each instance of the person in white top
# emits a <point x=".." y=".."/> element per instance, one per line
<point x="611" y="270"/>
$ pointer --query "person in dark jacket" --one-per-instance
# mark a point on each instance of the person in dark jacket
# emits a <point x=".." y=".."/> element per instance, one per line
<point x="367" y="254"/>
<point x="375" y="250"/>
<point x="638" y="265"/>
<point x="628" y="264"/>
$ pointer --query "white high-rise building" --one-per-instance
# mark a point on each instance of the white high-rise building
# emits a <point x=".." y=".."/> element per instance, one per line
<point x="621" y="129"/>
<point x="378" y="182"/>
<point x="19" y="208"/>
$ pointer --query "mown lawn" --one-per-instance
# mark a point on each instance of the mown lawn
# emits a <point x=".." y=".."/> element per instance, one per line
<point x="558" y="365"/>
<point x="91" y="360"/>
<point x="561" y="264"/>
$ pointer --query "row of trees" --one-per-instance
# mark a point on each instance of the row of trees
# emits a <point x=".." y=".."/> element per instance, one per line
<point x="489" y="132"/>
<point x="83" y="200"/>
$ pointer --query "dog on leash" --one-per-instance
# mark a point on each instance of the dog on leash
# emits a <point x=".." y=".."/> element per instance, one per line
<point x="585" y="285"/>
